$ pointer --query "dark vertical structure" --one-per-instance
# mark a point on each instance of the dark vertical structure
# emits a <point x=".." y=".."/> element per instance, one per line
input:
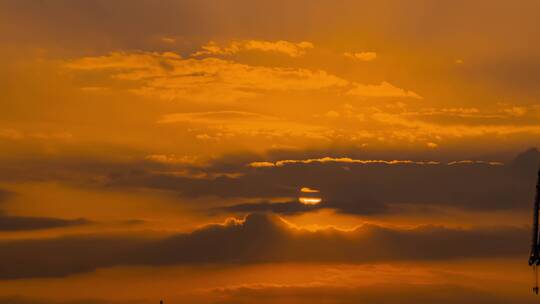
<point x="533" y="258"/>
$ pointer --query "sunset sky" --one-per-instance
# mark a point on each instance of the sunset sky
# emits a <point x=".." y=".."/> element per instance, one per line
<point x="295" y="152"/>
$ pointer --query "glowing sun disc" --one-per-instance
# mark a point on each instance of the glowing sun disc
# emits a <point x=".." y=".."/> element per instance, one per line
<point x="309" y="200"/>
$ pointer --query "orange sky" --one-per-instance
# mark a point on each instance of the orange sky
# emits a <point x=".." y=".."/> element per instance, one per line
<point x="267" y="152"/>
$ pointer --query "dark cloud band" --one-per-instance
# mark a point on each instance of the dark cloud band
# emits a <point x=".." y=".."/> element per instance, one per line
<point x="260" y="238"/>
<point x="19" y="223"/>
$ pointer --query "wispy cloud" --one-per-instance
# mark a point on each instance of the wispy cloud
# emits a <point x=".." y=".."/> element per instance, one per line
<point x="384" y="89"/>
<point x="281" y="163"/>
<point x="168" y="76"/>
<point x="231" y="123"/>
<point x="213" y="117"/>
<point x="361" y="56"/>
<point x="288" y="48"/>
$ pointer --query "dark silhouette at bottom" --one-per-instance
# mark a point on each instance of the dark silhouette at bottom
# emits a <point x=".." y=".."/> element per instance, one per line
<point x="534" y="258"/>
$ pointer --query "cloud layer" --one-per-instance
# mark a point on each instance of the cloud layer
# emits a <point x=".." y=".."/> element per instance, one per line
<point x="357" y="186"/>
<point x="169" y="76"/>
<point x="260" y="238"/>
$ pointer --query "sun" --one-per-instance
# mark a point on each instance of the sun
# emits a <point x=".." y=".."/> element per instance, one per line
<point x="310" y="200"/>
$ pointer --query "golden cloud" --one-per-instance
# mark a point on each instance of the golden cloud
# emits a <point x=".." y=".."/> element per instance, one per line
<point x="291" y="49"/>
<point x="322" y="160"/>
<point x="362" y="56"/>
<point x="415" y="128"/>
<point x="327" y="159"/>
<point x="384" y="89"/>
<point x="230" y="123"/>
<point x="169" y="76"/>
<point x="173" y="159"/>
<point x="308" y="190"/>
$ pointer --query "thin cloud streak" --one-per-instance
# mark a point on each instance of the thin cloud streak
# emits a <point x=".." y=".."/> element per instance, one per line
<point x="288" y="48"/>
<point x="281" y="163"/>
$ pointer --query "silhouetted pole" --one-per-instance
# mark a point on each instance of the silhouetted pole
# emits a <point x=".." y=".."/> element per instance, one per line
<point x="533" y="259"/>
